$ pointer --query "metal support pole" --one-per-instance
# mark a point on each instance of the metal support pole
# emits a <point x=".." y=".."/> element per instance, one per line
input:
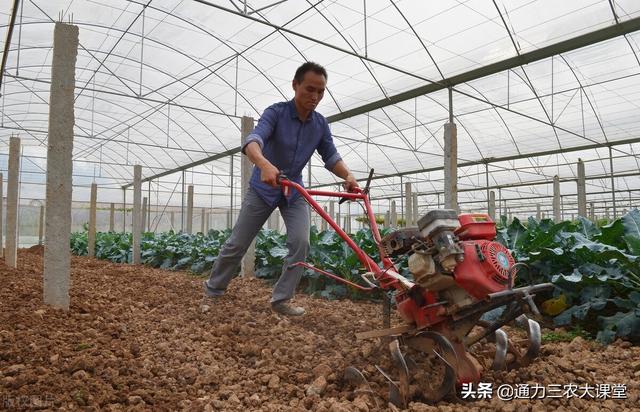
<point x="136" y="219"/>
<point x="148" y="224"/>
<point x="613" y="185"/>
<point x="91" y="237"/>
<point x="182" y="214"/>
<point x="408" y="203"/>
<point x="486" y="178"/>
<point x="1" y="216"/>
<point x="124" y="210"/>
<point x="230" y="214"/>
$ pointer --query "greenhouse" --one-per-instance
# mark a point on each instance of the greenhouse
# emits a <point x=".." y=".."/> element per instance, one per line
<point x="472" y="243"/>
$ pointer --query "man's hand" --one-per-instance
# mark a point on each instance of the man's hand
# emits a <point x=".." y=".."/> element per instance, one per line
<point x="350" y="183"/>
<point x="269" y="174"/>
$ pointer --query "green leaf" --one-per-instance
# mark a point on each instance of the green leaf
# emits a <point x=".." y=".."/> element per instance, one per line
<point x="596" y="292"/>
<point x="545" y="236"/>
<point x="199" y="266"/>
<point x="183" y="262"/>
<point x="606" y="336"/>
<point x="517" y="234"/>
<point x="573" y="277"/>
<point x="565" y="317"/>
<point x="278" y="252"/>
<point x="631" y="224"/>
<point x="612" y="234"/>
<point x="587" y="228"/>
<point x="624" y="324"/>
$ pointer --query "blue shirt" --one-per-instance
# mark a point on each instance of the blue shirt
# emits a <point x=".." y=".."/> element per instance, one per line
<point x="288" y="143"/>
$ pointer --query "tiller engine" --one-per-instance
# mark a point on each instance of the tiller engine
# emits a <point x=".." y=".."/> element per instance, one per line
<point x="459" y="273"/>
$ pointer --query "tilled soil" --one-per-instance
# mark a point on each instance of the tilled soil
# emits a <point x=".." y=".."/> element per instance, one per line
<point x="144" y="339"/>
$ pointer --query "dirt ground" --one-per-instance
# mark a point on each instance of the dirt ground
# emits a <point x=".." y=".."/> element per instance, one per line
<point x="138" y="338"/>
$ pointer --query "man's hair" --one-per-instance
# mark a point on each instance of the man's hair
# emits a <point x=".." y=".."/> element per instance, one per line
<point x="309" y="67"/>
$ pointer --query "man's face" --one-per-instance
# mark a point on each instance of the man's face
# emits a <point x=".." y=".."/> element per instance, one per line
<point x="310" y="91"/>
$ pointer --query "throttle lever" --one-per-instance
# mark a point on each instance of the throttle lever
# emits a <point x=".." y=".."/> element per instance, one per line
<point x="366" y="187"/>
<point x="279" y="178"/>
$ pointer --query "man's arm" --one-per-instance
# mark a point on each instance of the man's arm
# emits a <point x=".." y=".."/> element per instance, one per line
<point x="268" y="172"/>
<point x="342" y="171"/>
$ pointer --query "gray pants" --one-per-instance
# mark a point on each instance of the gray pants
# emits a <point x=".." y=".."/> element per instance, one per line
<point x="253" y="213"/>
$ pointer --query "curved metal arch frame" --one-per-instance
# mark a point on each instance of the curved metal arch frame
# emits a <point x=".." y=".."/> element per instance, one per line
<point x="139" y="62"/>
<point x="107" y="127"/>
<point x="113" y="118"/>
<point x="160" y="105"/>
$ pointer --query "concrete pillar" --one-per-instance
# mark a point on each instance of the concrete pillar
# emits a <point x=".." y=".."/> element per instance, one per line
<point x="91" y="244"/>
<point x="492" y="205"/>
<point x="332" y="210"/>
<point x="347" y="220"/>
<point x="323" y="223"/>
<point x="203" y="214"/>
<point x="57" y="254"/>
<point x="149" y="213"/>
<point x="271" y="221"/>
<point x="1" y="217"/>
<point x="556" y="199"/>
<point x="414" y="199"/>
<point x="41" y="226"/>
<point x="408" y="205"/>
<point x="229" y="218"/>
<point x="451" y="166"/>
<point x="249" y="259"/>
<point x="143" y="220"/>
<point x="112" y="217"/>
<point x="172" y="218"/>
<point x="614" y="204"/>
<point x="207" y="222"/>
<point x="190" y="209"/>
<point x="592" y="211"/>
<point x="538" y="212"/>
<point x="137" y="218"/>
<point x="394" y="215"/>
<point x="338" y="221"/>
<point x="582" y="190"/>
<point x="124" y="210"/>
<point x="11" y="253"/>
<point x="387" y="219"/>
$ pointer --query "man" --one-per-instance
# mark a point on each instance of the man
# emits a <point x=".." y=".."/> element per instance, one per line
<point x="284" y="140"/>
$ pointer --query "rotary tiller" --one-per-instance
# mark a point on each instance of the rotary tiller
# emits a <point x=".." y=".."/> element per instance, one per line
<point x="459" y="273"/>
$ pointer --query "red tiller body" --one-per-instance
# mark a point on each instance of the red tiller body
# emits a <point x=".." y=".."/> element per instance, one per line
<point x="486" y="265"/>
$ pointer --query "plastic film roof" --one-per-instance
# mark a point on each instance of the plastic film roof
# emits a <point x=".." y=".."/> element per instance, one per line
<point x="164" y="83"/>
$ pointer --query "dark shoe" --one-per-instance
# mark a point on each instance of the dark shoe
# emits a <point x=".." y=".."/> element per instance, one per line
<point x="211" y="293"/>
<point x="284" y="309"/>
